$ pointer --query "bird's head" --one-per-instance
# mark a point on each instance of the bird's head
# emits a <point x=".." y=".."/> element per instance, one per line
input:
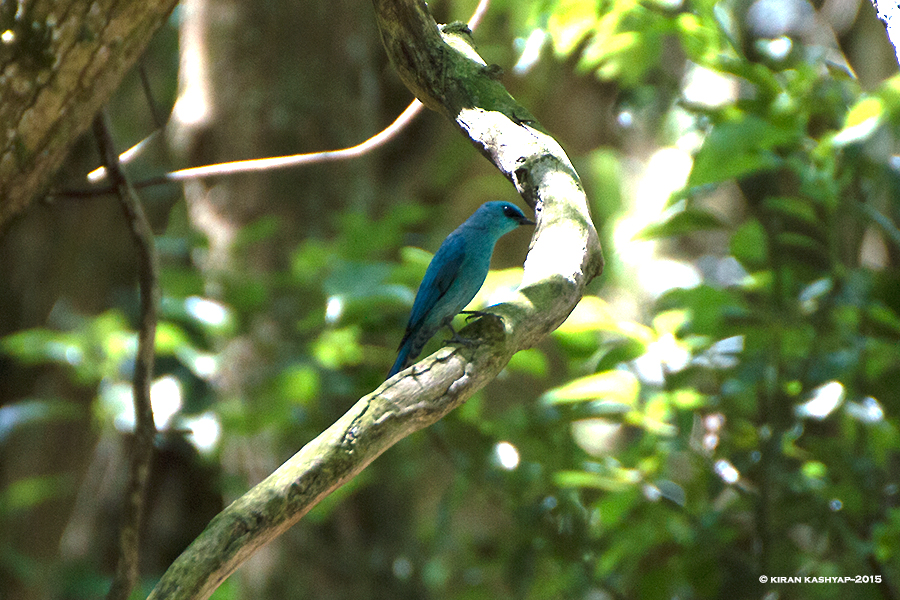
<point x="500" y="217"/>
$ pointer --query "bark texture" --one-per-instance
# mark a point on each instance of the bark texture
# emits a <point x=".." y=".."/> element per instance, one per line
<point x="60" y="61"/>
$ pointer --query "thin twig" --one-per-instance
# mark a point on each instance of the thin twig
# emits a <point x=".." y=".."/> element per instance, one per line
<point x="144" y="428"/>
<point x="158" y="118"/>
<point x="259" y="164"/>
<point x="99" y="174"/>
<point x="270" y="163"/>
<point x="283" y="162"/>
<point x="478" y="15"/>
<point x="887" y="227"/>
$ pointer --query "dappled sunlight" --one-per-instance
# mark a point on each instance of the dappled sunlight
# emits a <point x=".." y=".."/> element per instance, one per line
<point x="597" y="436"/>
<point x="334" y="308"/>
<point x="708" y="88"/>
<point x="726" y="471"/>
<point x="823" y="401"/>
<point x="166" y="400"/>
<point x="205" y="431"/>
<point x="658" y="276"/>
<point x="664" y="355"/>
<point x="501" y="285"/>
<point x="506" y="455"/>
<point x="868" y="411"/>
<point x="530" y="51"/>
<point x="665" y="173"/>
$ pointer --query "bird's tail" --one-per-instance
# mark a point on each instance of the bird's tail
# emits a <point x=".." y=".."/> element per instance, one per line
<point x="402" y="357"/>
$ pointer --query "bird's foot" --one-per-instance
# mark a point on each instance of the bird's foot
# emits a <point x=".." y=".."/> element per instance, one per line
<point x="474" y="314"/>
<point x="458" y="339"/>
<point x="461" y="341"/>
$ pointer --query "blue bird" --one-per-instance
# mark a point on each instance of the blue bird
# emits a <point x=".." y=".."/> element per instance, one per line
<point x="455" y="275"/>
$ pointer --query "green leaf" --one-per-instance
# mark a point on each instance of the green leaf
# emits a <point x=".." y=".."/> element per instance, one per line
<point x="621" y="352"/>
<point x="886" y="537"/>
<point x="707" y="307"/>
<point x="617" y="480"/>
<point x="861" y="122"/>
<point x="803" y="248"/>
<point x="687" y="399"/>
<point x="738" y="148"/>
<point x="33" y="411"/>
<point x="169" y="338"/>
<point x="681" y="223"/>
<point x="309" y="260"/>
<point x="23" y="494"/>
<point x="671" y="491"/>
<point x="620" y="387"/>
<point x="299" y="383"/>
<point x="337" y="348"/>
<point x="94" y="349"/>
<point x="362" y="292"/>
<point x="883" y="316"/>
<point x="593" y="314"/>
<point x="793" y="209"/>
<point x="180" y="282"/>
<point x="699" y="41"/>
<point x="245" y="294"/>
<point x="260" y="230"/>
<point x="531" y="361"/>
<point x="35" y="345"/>
<point x="749" y="246"/>
<point x="570" y="23"/>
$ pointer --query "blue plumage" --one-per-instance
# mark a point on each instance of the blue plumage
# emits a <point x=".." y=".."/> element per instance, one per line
<point x="455" y="275"/>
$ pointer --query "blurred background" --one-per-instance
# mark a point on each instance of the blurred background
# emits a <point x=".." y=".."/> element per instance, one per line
<point x="723" y="404"/>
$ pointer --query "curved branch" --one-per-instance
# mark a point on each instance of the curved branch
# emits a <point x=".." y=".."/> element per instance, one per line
<point x="447" y="75"/>
<point x="255" y="165"/>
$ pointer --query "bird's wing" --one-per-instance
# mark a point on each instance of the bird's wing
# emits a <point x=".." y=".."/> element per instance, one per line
<point x="442" y="272"/>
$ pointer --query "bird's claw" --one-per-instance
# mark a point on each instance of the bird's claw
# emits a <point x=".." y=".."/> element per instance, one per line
<point x="474" y="314"/>
<point x="461" y="341"/>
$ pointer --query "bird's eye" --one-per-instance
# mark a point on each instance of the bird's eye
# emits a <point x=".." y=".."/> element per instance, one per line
<point x="509" y="211"/>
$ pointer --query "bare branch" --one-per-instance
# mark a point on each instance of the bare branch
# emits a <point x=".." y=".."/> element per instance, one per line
<point x="478" y="15"/>
<point x="294" y="160"/>
<point x="254" y="165"/>
<point x="158" y="118"/>
<point x="144" y="428"/>
<point x="261" y="164"/>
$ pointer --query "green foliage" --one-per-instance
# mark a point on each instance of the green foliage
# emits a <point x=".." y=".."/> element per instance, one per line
<point x="743" y="145"/>
<point x="681" y="222"/>
<point x="95" y="349"/>
<point x="618" y="41"/>
<point x="667" y="441"/>
<point x="747" y="401"/>
<point x="29" y="492"/>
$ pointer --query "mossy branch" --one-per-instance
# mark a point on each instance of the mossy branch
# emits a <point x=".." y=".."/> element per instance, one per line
<point x="442" y="68"/>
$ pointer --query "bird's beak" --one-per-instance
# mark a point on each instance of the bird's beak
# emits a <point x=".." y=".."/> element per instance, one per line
<point x="525" y="221"/>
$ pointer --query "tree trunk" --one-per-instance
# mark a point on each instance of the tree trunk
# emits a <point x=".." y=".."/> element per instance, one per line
<point x="60" y="61"/>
